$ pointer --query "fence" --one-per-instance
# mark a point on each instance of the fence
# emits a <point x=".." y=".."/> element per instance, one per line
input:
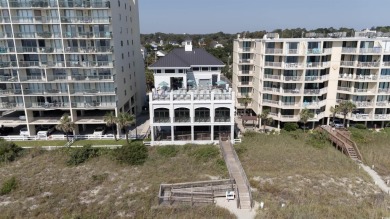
<point x="63" y="137"/>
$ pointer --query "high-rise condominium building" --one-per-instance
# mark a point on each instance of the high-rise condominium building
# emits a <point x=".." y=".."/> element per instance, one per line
<point x="75" y="57"/>
<point x="285" y="76"/>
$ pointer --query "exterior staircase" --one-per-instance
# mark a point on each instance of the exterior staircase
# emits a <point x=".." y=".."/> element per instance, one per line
<point x="343" y="142"/>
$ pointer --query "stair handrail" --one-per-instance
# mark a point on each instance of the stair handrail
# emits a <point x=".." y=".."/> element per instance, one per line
<point x="350" y="142"/>
<point x="342" y="143"/>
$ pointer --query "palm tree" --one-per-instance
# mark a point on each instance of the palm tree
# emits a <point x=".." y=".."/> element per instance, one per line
<point x="124" y="120"/>
<point x="110" y="120"/>
<point x="305" y="115"/>
<point x="66" y="125"/>
<point x="334" y="111"/>
<point x="264" y="117"/>
<point x="246" y="102"/>
<point x="345" y="108"/>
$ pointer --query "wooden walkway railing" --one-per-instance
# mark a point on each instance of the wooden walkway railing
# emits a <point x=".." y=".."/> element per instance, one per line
<point x="343" y="142"/>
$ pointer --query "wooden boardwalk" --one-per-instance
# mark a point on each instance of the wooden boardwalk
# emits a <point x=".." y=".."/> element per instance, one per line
<point x="343" y="142"/>
<point x="243" y="192"/>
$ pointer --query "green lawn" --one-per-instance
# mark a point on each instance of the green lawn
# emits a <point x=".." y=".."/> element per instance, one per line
<point x="32" y="143"/>
<point x="99" y="142"/>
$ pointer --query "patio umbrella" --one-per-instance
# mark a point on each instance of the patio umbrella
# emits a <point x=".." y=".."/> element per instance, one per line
<point x="162" y="84"/>
<point x="220" y="82"/>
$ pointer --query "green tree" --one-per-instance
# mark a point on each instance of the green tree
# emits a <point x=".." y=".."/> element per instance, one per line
<point x="124" y="120"/>
<point x="345" y="108"/>
<point x="334" y="111"/>
<point x="246" y="101"/>
<point x="305" y="115"/>
<point x="66" y="125"/>
<point x="110" y="120"/>
<point x="265" y="119"/>
<point x="149" y="79"/>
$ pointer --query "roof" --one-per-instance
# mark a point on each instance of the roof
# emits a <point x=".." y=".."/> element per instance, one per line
<point x="178" y="57"/>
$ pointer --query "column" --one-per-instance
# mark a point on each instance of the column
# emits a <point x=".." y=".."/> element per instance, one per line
<point x="152" y="134"/>
<point x="232" y="133"/>
<point x="383" y="124"/>
<point x="172" y="134"/>
<point x="212" y="133"/>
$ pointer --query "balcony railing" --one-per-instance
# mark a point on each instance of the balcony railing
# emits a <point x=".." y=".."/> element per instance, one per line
<point x="292" y="78"/>
<point x="245" y="72"/>
<point x="366" y="77"/>
<point x="371" y="50"/>
<point x="5" y="105"/>
<point x="358" y="90"/>
<point x="33" y="78"/>
<point x="317" y="64"/>
<point x="93" y="105"/>
<point x="363" y="103"/>
<point x="247" y="61"/>
<point x="85" y="19"/>
<point x="292" y="91"/>
<point x="32" y="4"/>
<point x="273" y="64"/>
<point x="57" y="78"/>
<point x="182" y="119"/>
<point x="348" y="63"/>
<point x="100" y="49"/>
<point x="84" y="4"/>
<point x="384" y="90"/>
<point x="271" y="89"/>
<point x="384" y="77"/>
<point x="382" y="116"/>
<point x="361" y="116"/>
<point x="386" y="64"/>
<point x="272" y="102"/>
<point x="348" y="50"/>
<point x="90" y="64"/>
<point x="268" y="76"/>
<point x="10" y="92"/>
<point x="45" y="91"/>
<point x="35" y="19"/>
<point x="222" y="119"/>
<point x="162" y="119"/>
<point x="87" y="35"/>
<point x="11" y="64"/>
<point x="92" y="92"/>
<point x="291" y="104"/>
<point x="274" y="51"/>
<point x="293" y="65"/>
<point x="349" y="89"/>
<point x="316" y="78"/>
<point x="47" y="105"/>
<point x="292" y="51"/>
<point x="93" y="78"/>
<point x="368" y="64"/>
<point x="382" y="103"/>
<point x="314" y="51"/>
<point x="202" y="119"/>
<point x="9" y="78"/>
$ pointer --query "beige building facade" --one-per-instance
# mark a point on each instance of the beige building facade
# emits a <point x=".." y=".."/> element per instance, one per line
<point x="286" y="75"/>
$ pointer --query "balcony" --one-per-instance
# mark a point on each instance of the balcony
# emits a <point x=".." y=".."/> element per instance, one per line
<point x="370" y="50"/>
<point x="358" y="116"/>
<point x="293" y="65"/>
<point x="245" y="72"/>
<point x="318" y="65"/>
<point x="368" y="64"/>
<point x="289" y="117"/>
<point x="290" y="104"/>
<point x="271" y="90"/>
<point x="382" y="116"/>
<point x="314" y="51"/>
<point x="54" y="92"/>
<point x="358" y="90"/>
<point x="36" y="49"/>
<point x="85" y="20"/>
<point x="315" y="91"/>
<point x="347" y="89"/>
<point x="35" y="20"/>
<point x="273" y="51"/>
<point x="100" y="49"/>
<point x="8" y="78"/>
<point x="386" y="64"/>
<point x="291" y="91"/>
<point x="317" y="78"/>
<point x="32" y="4"/>
<point x="292" y="78"/>
<point x="95" y="104"/>
<point x="361" y="104"/>
<point x="272" y="77"/>
<point x="383" y="103"/>
<point x="202" y="119"/>
<point x="57" y="78"/>
<point x="366" y="77"/>
<point x="384" y="90"/>
<point x="245" y="84"/>
<point x="10" y="92"/>
<point x="47" y="105"/>
<point x="245" y="50"/>
<point x="245" y="61"/>
<point x="182" y="119"/>
<point x="11" y="64"/>
<point x="87" y="35"/>
<point x="292" y="51"/>
<point x="273" y="64"/>
<point x="7" y="105"/>
<point x="348" y="63"/>
<point x="222" y="119"/>
<point x="348" y="50"/>
<point x="92" y="92"/>
<point x="90" y="64"/>
<point x="270" y="102"/>
<point x="84" y="4"/>
<point x="162" y="120"/>
<point x="33" y="78"/>
<point x="384" y="77"/>
<point x="92" y="78"/>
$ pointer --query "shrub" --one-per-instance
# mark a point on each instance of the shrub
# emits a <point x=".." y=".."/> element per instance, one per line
<point x="359" y="135"/>
<point x="9" y="151"/>
<point x="8" y="186"/>
<point x="205" y="153"/>
<point x="317" y="139"/>
<point x="360" y="126"/>
<point x="135" y="153"/>
<point x="167" y="151"/>
<point x="250" y="133"/>
<point x="290" y="126"/>
<point x="80" y="155"/>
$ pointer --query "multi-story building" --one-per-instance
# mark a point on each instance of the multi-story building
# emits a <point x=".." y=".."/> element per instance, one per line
<point x="80" y="58"/>
<point x="190" y="104"/>
<point x="287" y="75"/>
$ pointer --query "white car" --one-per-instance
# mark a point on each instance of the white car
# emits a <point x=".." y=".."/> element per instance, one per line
<point x="337" y="124"/>
<point x="45" y="131"/>
<point x="24" y="132"/>
<point x="99" y="130"/>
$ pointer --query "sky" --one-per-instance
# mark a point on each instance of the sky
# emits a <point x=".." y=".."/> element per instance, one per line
<point x="233" y="16"/>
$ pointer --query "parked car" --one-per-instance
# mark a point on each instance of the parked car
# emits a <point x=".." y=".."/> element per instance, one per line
<point x="45" y="131"/>
<point x="101" y="130"/>
<point x="24" y="132"/>
<point x="337" y="124"/>
<point x="5" y="130"/>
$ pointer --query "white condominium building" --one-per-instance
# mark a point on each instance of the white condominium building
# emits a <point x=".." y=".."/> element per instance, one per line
<point x="287" y="75"/>
<point x="190" y="104"/>
<point x="75" y="57"/>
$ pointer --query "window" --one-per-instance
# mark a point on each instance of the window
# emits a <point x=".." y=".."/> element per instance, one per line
<point x="161" y="115"/>
<point x="122" y="69"/>
<point x="123" y="56"/>
<point x="121" y="42"/>
<point x="119" y="3"/>
<point x="195" y="69"/>
<point x="205" y="69"/>
<point x="125" y="93"/>
<point x="158" y="71"/>
<point x="214" y="69"/>
<point x="128" y="54"/>
<point x="180" y="70"/>
<point x="202" y="115"/>
<point x="127" y="40"/>
<point x="169" y="71"/>
<point x="124" y="80"/>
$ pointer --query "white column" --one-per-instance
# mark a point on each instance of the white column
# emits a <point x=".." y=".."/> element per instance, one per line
<point x="172" y="134"/>
<point x="192" y="133"/>
<point x="152" y="134"/>
<point x="232" y="133"/>
<point x="212" y="132"/>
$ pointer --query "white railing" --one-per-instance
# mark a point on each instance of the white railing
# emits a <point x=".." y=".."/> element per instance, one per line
<point x="386" y="64"/>
<point x="292" y="51"/>
<point x="293" y="65"/>
<point x="291" y="104"/>
<point x="368" y="64"/>
<point x="361" y="116"/>
<point x="348" y="63"/>
<point x="273" y="51"/>
<point x="382" y="103"/>
<point x="363" y="103"/>
<point x="344" y="89"/>
<point x="273" y="64"/>
<point x="366" y="77"/>
<point x="348" y="50"/>
<point x="384" y="77"/>
<point x="364" y="90"/>
<point x="291" y="91"/>
<point x="371" y="50"/>
<point x="382" y="116"/>
<point x="383" y="90"/>
<point x="268" y="76"/>
<point x="274" y="102"/>
<point x="292" y="78"/>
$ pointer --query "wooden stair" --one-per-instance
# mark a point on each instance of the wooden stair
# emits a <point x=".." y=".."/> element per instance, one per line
<point x="343" y="141"/>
